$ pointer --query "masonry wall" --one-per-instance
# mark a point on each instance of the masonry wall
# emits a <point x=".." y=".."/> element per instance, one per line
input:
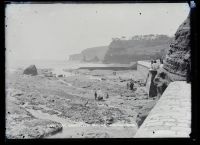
<point x="171" y="116"/>
<point x="143" y="68"/>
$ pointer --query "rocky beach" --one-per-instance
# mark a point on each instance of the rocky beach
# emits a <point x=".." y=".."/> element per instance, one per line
<point x="87" y="77"/>
<point x="62" y="105"/>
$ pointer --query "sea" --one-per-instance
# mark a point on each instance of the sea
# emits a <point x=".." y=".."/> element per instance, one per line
<point x="57" y="66"/>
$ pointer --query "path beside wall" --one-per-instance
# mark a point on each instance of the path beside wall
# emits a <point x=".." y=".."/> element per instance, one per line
<point x="171" y="116"/>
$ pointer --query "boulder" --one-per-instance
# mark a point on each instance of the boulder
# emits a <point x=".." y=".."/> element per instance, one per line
<point x="60" y="76"/>
<point x="99" y="98"/>
<point x="48" y="75"/>
<point x="31" y="70"/>
<point x="109" y="120"/>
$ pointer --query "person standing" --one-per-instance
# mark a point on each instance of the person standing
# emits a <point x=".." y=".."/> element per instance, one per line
<point x="95" y="95"/>
<point x="128" y="86"/>
<point x="131" y="84"/>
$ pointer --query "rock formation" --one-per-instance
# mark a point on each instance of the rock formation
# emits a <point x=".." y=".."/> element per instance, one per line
<point x="177" y="62"/>
<point x="31" y="70"/>
<point x="179" y="52"/>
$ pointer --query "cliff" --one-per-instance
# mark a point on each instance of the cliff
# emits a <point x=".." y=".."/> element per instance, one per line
<point x="179" y="53"/>
<point x="93" y="54"/>
<point x="140" y="47"/>
<point x="177" y="62"/>
<point x="76" y="57"/>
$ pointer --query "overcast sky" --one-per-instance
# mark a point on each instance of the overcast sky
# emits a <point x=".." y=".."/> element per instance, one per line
<point x="54" y="31"/>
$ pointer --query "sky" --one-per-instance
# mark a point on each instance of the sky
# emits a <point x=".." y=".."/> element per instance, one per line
<point x="55" y="31"/>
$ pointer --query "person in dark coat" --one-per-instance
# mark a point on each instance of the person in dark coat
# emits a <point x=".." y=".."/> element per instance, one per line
<point x="161" y="61"/>
<point x="95" y="95"/>
<point x="131" y="85"/>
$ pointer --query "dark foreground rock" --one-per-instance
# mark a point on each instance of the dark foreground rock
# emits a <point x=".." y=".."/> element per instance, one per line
<point x="31" y="70"/>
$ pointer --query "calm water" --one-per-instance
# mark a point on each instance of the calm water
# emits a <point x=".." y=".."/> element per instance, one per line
<point x="56" y="65"/>
<point x="49" y="64"/>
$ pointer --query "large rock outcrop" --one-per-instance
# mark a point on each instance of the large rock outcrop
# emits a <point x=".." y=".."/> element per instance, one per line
<point x="178" y="57"/>
<point x="177" y="62"/>
<point x="31" y="70"/>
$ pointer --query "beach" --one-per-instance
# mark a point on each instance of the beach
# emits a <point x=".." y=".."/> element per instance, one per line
<point x="59" y="102"/>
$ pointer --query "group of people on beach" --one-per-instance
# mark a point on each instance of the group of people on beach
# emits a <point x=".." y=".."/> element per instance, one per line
<point x="98" y="95"/>
<point x="130" y="86"/>
<point x="155" y="65"/>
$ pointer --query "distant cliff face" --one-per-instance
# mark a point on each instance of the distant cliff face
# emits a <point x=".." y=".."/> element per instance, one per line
<point x="142" y="47"/>
<point x="75" y="57"/>
<point x="93" y="54"/>
<point x="177" y="62"/>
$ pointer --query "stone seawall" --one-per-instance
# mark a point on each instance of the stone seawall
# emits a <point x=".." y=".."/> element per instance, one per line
<point x="171" y="116"/>
<point x="143" y="67"/>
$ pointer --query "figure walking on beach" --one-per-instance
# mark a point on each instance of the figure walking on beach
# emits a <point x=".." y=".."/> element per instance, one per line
<point x="128" y="86"/>
<point x="131" y="84"/>
<point x="95" y="95"/>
